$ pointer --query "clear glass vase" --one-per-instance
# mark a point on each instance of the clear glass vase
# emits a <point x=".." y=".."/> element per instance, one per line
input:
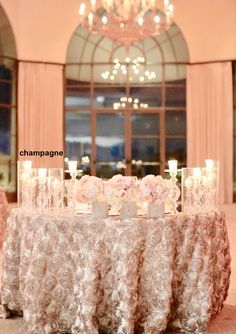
<point x="56" y="189"/>
<point x="100" y="209"/>
<point x="128" y="210"/>
<point x="156" y="210"/>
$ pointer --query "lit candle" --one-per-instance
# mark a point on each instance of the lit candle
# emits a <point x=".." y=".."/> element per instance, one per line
<point x="90" y="19"/>
<point x="42" y="172"/>
<point x="197" y="172"/>
<point x="209" y="163"/>
<point x="172" y="165"/>
<point x="27" y="164"/>
<point x="72" y="165"/>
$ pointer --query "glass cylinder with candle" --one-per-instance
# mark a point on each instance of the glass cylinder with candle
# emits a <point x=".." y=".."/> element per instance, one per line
<point x="174" y="192"/>
<point x="42" y="193"/>
<point x="24" y="170"/>
<point x="193" y="189"/>
<point x="56" y="191"/>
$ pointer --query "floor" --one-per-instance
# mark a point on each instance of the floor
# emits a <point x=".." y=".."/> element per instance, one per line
<point x="225" y="323"/>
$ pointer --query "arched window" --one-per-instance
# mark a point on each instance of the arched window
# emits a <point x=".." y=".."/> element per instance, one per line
<point x="8" y="83"/>
<point x="130" y="138"/>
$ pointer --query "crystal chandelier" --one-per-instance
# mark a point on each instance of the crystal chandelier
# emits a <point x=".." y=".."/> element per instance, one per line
<point x="137" y="71"/>
<point x="126" y="102"/>
<point x="126" y="21"/>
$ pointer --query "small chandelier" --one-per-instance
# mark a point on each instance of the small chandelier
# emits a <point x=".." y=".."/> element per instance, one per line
<point x="137" y="70"/>
<point x="127" y="102"/>
<point x="126" y="21"/>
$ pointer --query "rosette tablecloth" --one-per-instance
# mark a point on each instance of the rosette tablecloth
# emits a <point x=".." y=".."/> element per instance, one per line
<point x="71" y="274"/>
<point x="4" y="213"/>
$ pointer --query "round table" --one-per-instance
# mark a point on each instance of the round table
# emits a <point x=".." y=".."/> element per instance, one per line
<point x="4" y="213"/>
<point x="69" y="273"/>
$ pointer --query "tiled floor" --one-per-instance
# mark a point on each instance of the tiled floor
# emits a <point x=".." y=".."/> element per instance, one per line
<point x="225" y="323"/>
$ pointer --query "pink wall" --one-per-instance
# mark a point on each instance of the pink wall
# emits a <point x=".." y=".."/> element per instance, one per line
<point x="43" y="27"/>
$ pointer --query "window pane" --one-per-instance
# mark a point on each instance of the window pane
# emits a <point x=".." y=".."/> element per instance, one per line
<point x="150" y="95"/>
<point x="106" y="171"/>
<point x="77" y="96"/>
<point x="5" y="86"/>
<point x="176" y="96"/>
<point x="176" y="149"/>
<point x="78" y="74"/>
<point x="109" y="74"/>
<point x="140" y="170"/>
<point x="144" y="124"/>
<point x="175" y="74"/>
<point x="5" y="131"/>
<point x="104" y="97"/>
<point x="110" y="137"/>
<point x="176" y="123"/>
<point x="78" y="135"/>
<point x="146" y="149"/>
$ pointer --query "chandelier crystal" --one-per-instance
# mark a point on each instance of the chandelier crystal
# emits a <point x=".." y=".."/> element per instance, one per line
<point x="126" y="21"/>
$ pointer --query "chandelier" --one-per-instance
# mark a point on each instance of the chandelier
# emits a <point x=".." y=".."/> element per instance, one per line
<point x="127" y="102"/>
<point x="126" y="21"/>
<point x="137" y="71"/>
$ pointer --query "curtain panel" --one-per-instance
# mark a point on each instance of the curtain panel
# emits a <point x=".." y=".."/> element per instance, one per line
<point x="210" y="120"/>
<point x="40" y="112"/>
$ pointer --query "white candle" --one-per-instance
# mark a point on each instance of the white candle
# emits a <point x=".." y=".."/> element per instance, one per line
<point x="209" y="163"/>
<point x="172" y="165"/>
<point x="197" y="172"/>
<point x="72" y="165"/>
<point x="27" y="164"/>
<point x="42" y="172"/>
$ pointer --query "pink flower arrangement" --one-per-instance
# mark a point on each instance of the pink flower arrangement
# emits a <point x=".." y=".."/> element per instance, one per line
<point x="154" y="188"/>
<point x="88" y="188"/>
<point x="122" y="188"/>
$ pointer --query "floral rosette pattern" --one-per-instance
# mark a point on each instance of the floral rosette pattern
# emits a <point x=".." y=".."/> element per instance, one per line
<point x="4" y="213"/>
<point x="154" y="189"/>
<point x="87" y="189"/>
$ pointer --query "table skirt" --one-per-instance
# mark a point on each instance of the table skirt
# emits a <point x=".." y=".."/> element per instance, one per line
<point x="4" y="213"/>
<point x="71" y="274"/>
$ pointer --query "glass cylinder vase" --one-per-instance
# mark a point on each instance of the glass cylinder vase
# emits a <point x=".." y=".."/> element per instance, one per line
<point x="56" y="189"/>
<point x="128" y="210"/>
<point x="193" y="189"/>
<point x="100" y="209"/>
<point x="156" y="210"/>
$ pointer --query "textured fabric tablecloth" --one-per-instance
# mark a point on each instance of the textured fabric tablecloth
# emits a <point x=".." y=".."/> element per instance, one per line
<point x="4" y="213"/>
<point x="71" y="274"/>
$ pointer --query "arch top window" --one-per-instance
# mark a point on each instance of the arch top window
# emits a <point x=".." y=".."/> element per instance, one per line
<point x="8" y="83"/>
<point x="102" y="120"/>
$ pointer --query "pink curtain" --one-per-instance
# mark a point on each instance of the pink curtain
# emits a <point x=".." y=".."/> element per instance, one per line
<point x="40" y="112"/>
<point x="210" y="120"/>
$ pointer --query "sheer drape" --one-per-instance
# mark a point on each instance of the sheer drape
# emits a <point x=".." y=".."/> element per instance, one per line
<point x="40" y="111"/>
<point x="210" y="120"/>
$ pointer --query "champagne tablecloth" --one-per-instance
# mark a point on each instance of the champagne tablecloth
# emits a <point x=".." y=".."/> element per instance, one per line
<point x="4" y="212"/>
<point x="69" y="273"/>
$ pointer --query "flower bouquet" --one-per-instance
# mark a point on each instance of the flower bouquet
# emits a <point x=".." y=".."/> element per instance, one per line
<point x="89" y="189"/>
<point x="120" y="191"/>
<point x="154" y="190"/>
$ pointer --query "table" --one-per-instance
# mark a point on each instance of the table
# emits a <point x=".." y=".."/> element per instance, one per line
<point x="71" y="274"/>
<point x="4" y="212"/>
